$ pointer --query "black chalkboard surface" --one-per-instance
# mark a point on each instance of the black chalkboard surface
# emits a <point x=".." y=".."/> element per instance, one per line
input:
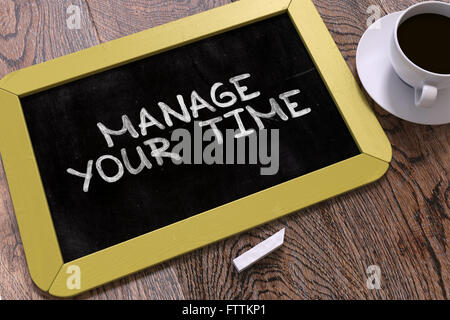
<point x="63" y="127"/>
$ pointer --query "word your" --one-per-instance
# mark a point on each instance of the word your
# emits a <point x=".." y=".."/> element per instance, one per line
<point x="158" y="148"/>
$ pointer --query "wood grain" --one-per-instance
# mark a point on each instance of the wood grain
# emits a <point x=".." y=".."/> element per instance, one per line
<point x="399" y="223"/>
<point x="35" y="31"/>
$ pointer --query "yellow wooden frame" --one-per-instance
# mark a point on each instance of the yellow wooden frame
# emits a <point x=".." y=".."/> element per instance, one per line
<point x="36" y="227"/>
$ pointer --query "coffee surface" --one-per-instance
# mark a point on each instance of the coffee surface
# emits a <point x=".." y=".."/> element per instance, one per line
<point x="425" y="41"/>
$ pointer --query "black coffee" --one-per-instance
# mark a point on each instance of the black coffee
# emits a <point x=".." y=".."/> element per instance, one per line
<point x="425" y="40"/>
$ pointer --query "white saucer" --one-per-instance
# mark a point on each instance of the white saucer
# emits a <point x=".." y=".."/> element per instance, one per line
<point x="384" y="86"/>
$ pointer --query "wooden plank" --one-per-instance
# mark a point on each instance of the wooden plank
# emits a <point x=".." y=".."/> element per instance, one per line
<point x="117" y="18"/>
<point x="35" y="31"/>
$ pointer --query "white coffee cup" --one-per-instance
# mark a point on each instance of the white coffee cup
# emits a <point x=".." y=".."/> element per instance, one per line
<point x="425" y="83"/>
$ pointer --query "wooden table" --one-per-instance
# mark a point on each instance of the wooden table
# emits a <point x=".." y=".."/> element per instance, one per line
<point x="399" y="223"/>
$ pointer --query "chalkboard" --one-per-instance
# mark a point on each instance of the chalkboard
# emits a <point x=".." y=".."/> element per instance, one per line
<point x="67" y="126"/>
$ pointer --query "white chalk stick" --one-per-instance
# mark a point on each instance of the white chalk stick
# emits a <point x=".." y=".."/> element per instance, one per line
<point x="259" y="251"/>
